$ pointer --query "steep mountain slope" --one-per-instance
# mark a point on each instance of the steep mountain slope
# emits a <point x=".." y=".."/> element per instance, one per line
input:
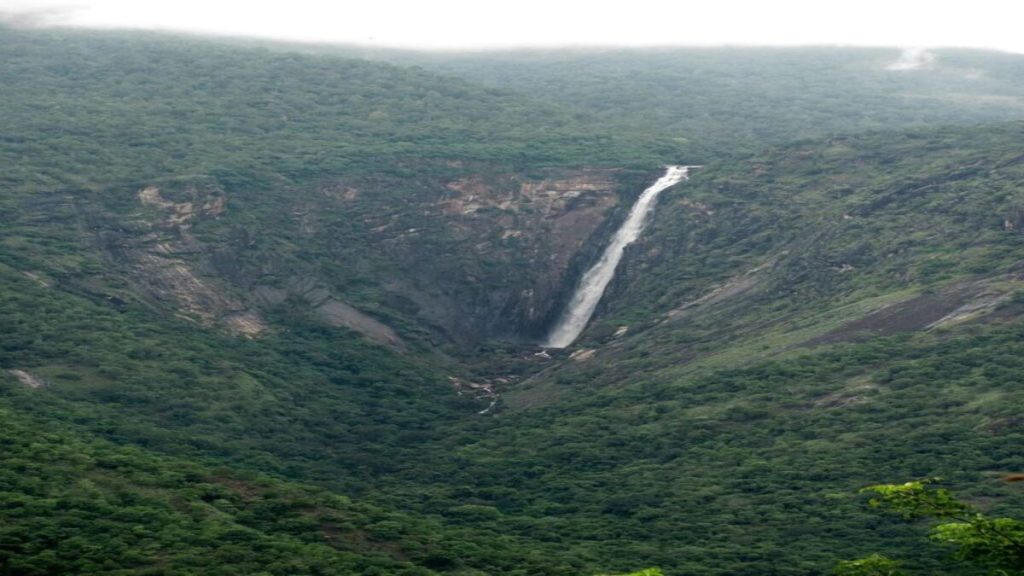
<point x="257" y="260"/>
<point x="224" y="184"/>
<point x="821" y="317"/>
<point x="822" y="225"/>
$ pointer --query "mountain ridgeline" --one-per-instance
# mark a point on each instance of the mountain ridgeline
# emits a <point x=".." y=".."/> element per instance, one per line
<point x="278" y="309"/>
<point x="731" y="102"/>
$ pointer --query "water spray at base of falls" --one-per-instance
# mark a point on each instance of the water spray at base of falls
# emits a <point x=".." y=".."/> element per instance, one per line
<point x="592" y="286"/>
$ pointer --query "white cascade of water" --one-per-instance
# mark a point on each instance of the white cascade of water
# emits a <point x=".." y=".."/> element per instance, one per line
<point x="595" y="280"/>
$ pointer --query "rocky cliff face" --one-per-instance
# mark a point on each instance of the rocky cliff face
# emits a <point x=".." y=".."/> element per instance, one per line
<point x="457" y="253"/>
<point x="490" y="252"/>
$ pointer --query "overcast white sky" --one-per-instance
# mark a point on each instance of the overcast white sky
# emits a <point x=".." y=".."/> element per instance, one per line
<point x="499" y="23"/>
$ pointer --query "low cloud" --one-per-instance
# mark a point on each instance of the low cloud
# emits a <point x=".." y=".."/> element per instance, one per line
<point x="913" y="59"/>
<point x="38" y="14"/>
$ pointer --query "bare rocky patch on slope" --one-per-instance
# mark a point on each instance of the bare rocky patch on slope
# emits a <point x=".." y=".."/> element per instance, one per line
<point x="480" y="251"/>
<point x="958" y="302"/>
<point x="27" y="379"/>
<point x="329" y="309"/>
<point x="162" y="261"/>
<point x="463" y="254"/>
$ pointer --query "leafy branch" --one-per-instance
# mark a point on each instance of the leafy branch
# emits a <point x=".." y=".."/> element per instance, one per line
<point x="994" y="543"/>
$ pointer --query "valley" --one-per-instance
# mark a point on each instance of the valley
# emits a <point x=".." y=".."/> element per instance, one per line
<point x="270" y="309"/>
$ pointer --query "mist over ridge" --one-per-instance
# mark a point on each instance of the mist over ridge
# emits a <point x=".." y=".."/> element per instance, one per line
<point x="456" y="23"/>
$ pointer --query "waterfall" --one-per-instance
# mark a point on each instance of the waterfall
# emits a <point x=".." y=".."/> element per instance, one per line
<point x="595" y="280"/>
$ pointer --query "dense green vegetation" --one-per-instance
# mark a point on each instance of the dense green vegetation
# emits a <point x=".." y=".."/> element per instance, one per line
<point x="86" y="109"/>
<point x="81" y="506"/>
<point x="801" y="318"/>
<point x="749" y="471"/>
<point x="92" y="118"/>
<point x="847" y="220"/>
<point x="995" y="544"/>
<point x="74" y="506"/>
<point x="715" y="102"/>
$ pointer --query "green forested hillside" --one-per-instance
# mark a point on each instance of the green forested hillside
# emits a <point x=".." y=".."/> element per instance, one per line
<point x="833" y="222"/>
<point x="270" y="310"/>
<point x="731" y="101"/>
<point x="81" y="506"/>
<point x="270" y="172"/>
<point x="793" y="327"/>
<point x="88" y="109"/>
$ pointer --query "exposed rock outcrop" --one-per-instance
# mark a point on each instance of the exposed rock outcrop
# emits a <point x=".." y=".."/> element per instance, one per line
<point x="515" y="243"/>
<point x="465" y="253"/>
<point x="330" y="309"/>
<point x="27" y="379"/>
